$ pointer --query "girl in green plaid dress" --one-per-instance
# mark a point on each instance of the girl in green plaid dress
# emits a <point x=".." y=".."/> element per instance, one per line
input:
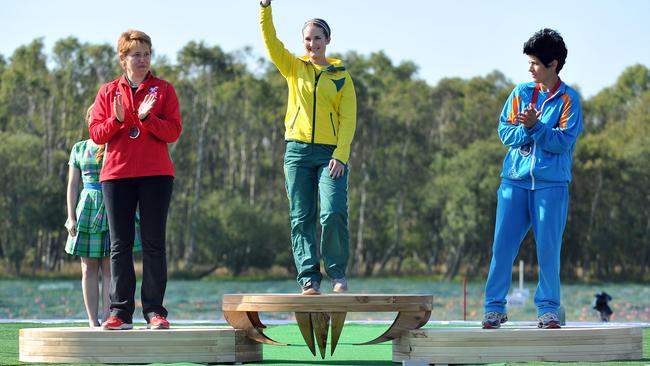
<point x="88" y="226"/>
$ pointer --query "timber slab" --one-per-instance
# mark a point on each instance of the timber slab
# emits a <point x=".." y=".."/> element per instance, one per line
<point x="138" y="345"/>
<point x="462" y="345"/>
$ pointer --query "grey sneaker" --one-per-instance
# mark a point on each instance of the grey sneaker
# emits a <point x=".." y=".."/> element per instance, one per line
<point x="339" y="285"/>
<point x="548" y="321"/>
<point x="493" y="320"/>
<point x="311" y="288"/>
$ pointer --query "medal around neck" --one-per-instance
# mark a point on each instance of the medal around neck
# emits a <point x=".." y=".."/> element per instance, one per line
<point x="134" y="132"/>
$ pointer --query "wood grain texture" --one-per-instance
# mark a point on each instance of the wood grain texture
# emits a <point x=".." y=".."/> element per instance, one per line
<point x="139" y="345"/>
<point x="338" y="320"/>
<point x="321" y="324"/>
<point x="306" y="329"/>
<point x="519" y="344"/>
<point x="326" y="302"/>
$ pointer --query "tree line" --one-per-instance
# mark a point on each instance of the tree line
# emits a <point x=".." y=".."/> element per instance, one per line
<point x="424" y="168"/>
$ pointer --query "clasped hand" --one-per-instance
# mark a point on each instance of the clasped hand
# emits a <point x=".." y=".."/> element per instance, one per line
<point x="528" y="117"/>
<point x="143" y="110"/>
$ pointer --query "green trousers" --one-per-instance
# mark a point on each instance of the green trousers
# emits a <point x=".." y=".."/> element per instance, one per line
<point x="306" y="173"/>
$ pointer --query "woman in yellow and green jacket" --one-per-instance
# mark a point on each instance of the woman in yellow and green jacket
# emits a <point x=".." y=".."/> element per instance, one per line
<point x="320" y="124"/>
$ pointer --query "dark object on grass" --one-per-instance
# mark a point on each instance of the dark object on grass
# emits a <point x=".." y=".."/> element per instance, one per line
<point x="601" y="303"/>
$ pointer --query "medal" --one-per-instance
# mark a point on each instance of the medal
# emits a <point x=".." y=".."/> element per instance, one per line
<point x="134" y="132"/>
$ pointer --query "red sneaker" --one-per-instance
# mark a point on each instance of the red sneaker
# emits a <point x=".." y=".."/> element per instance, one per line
<point x="115" y="323"/>
<point x="158" y="322"/>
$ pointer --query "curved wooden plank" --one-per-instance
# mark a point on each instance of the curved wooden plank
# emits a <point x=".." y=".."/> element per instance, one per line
<point x="338" y="319"/>
<point x="242" y="320"/>
<point x="306" y="329"/>
<point x="406" y="320"/>
<point x="255" y="319"/>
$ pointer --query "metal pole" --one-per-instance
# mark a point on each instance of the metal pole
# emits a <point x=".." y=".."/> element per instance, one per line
<point x="465" y="298"/>
<point x="521" y="274"/>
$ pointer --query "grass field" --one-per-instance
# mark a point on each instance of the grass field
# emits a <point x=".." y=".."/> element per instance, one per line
<point x="299" y="355"/>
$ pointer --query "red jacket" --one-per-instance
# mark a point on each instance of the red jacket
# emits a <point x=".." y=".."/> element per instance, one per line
<point x="146" y="155"/>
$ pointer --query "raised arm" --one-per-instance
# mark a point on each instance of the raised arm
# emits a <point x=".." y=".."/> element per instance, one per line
<point x="280" y="56"/>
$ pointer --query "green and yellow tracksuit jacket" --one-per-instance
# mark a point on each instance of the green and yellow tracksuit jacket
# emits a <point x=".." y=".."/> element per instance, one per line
<point x="322" y="105"/>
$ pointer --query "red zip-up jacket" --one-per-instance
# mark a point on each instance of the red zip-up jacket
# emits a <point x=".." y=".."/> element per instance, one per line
<point x="146" y="155"/>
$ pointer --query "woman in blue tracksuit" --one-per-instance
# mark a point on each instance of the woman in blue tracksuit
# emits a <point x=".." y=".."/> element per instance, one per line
<point x="539" y="124"/>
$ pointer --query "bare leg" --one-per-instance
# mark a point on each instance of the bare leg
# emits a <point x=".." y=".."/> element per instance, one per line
<point x="90" y="288"/>
<point x="106" y="286"/>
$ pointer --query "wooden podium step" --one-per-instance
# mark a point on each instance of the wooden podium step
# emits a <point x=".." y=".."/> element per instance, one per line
<point x="138" y="345"/>
<point x="518" y="344"/>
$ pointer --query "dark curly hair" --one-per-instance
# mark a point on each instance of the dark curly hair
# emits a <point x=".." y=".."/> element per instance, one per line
<point x="547" y="45"/>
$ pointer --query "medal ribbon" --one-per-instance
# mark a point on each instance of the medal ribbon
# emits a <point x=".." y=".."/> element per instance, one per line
<point x="533" y="102"/>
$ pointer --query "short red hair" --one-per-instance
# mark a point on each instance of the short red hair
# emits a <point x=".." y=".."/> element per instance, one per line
<point x="129" y="40"/>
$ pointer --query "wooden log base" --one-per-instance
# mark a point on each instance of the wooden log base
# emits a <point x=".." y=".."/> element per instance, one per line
<point x="518" y="344"/>
<point x="138" y="345"/>
<point x="315" y="313"/>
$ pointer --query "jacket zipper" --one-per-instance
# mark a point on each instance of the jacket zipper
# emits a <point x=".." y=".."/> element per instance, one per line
<point x="293" y="123"/>
<point x="332" y="121"/>
<point x="313" y="126"/>
<point x="532" y="165"/>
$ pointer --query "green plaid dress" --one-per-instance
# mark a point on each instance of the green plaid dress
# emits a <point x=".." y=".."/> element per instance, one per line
<point x="92" y="238"/>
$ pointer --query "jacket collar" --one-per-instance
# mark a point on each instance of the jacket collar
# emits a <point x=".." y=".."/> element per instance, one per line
<point x="147" y="79"/>
<point x="530" y="87"/>
<point x="335" y="64"/>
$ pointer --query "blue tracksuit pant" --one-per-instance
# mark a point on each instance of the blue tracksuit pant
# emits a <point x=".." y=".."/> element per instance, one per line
<point x="517" y="210"/>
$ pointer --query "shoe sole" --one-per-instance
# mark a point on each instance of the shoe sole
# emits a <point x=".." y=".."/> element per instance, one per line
<point x="311" y="292"/>
<point x="121" y="327"/>
<point x="549" y="326"/>
<point x="340" y="291"/>
<point x="490" y="326"/>
<point x="160" y="327"/>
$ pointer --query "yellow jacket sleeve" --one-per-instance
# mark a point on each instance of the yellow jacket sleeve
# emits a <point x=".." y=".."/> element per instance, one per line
<point x="347" y="122"/>
<point x="280" y="56"/>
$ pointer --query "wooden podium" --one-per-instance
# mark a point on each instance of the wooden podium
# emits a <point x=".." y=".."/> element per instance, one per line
<point x="462" y="345"/>
<point x="314" y="314"/>
<point x="138" y="345"/>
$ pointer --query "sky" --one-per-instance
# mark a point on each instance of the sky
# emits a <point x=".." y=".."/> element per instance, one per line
<point x="462" y="38"/>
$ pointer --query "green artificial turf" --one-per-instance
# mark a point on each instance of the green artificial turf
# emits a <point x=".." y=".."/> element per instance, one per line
<point x="297" y="354"/>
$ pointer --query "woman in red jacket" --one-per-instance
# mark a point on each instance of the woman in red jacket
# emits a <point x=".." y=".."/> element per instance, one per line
<point x="136" y="115"/>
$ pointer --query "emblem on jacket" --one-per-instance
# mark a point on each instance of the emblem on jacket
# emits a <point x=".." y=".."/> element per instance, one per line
<point x="339" y="84"/>
<point x="512" y="173"/>
<point x="153" y="90"/>
<point x="525" y="150"/>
